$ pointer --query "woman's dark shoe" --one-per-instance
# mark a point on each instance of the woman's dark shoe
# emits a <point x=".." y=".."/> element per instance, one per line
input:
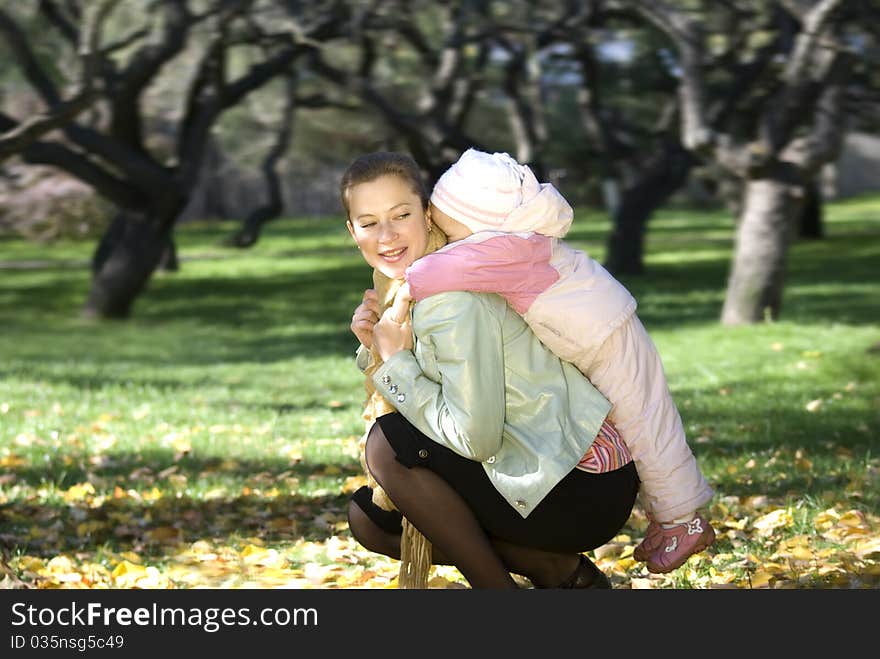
<point x="586" y="575"/>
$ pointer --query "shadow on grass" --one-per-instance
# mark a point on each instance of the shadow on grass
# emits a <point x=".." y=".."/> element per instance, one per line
<point x="793" y="486"/>
<point x="196" y="351"/>
<point x="253" y="319"/>
<point x="125" y="521"/>
<point x="141" y="468"/>
<point x="214" y="300"/>
<point x="156" y="528"/>
<point x="790" y="452"/>
<point x="767" y="430"/>
<point x="817" y="287"/>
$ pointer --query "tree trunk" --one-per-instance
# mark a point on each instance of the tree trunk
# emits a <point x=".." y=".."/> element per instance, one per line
<point x="249" y="232"/>
<point x="611" y="195"/>
<point x="811" y="225"/>
<point x="169" y="262"/>
<point x="627" y="240"/>
<point x="125" y="259"/>
<point x="626" y="243"/>
<point x="754" y="290"/>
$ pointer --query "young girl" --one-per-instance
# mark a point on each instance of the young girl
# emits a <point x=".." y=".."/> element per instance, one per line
<point x="504" y="227"/>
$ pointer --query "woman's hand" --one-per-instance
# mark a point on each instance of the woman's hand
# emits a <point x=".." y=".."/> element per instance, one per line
<point x="393" y="332"/>
<point x="365" y="318"/>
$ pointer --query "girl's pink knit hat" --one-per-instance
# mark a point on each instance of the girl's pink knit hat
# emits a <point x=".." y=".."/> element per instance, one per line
<point x="493" y="192"/>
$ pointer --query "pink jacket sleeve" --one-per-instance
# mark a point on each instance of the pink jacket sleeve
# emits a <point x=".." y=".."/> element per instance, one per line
<point x="514" y="266"/>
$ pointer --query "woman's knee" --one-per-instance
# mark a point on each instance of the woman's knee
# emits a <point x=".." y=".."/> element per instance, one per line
<point x="380" y="456"/>
<point x="359" y="523"/>
<point x="369" y="534"/>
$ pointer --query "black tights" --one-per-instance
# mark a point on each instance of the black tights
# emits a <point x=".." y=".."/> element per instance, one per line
<point x="440" y="513"/>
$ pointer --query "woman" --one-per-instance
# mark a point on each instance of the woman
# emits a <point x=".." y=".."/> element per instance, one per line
<point x="493" y="452"/>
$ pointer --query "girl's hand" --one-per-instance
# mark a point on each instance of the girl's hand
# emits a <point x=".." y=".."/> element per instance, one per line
<point x="365" y="318"/>
<point x="393" y="332"/>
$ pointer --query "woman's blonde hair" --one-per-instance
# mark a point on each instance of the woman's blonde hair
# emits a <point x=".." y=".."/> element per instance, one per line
<point x="372" y="166"/>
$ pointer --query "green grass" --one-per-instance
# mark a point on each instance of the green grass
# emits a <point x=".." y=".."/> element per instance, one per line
<point x="233" y="389"/>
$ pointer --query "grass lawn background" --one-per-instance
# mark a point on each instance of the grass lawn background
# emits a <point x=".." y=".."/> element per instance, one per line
<point x="211" y="440"/>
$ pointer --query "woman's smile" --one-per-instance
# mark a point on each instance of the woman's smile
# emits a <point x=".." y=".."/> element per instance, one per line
<point x="393" y="255"/>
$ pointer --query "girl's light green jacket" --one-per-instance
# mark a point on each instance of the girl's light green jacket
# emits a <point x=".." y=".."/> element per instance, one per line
<point x="479" y="382"/>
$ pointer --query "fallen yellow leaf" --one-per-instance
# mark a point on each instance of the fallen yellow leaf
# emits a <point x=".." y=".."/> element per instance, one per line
<point x="60" y="564"/>
<point x="868" y="548"/>
<point x="826" y="519"/>
<point x="853" y="518"/>
<point x="768" y="523"/>
<point x="31" y="563"/>
<point x="760" y="579"/>
<point x="126" y="574"/>
<point x="78" y="492"/>
<point x="802" y="554"/>
<point x="12" y="460"/>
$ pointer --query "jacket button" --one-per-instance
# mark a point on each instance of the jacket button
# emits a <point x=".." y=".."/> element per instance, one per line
<point x="386" y="379"/>
<point x="401" y="398"/>
<point x="521" y="503"/>
<point x="491" y="459"/>
<point x="393" y="388"/>
<point x="423" y="453"/>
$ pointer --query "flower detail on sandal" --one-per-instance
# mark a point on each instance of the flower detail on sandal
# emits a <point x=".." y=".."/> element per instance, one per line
<point x="665" y="549"/>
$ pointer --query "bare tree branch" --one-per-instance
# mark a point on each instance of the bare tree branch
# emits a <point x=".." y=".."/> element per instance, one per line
<point x="436" y="126"/>
<point x="521" y="84"/>
<point x="407" y="27"/>
<point x="17" y="138"/>
<point x="211" y="94"/>
<point x="61" y="113"/>
<point x="27" y="61"/>
<point x="85" y="169"/>
<point x="89" y="47"/>
<point x="686" y="33"/>
<point x="814" y="22"/>
<point x="824" y="142"/>
<point x="55" y="16"/>
<point x="123" y="42"/>
<point x="143" y="66"/>
<point x="274" y="204"/>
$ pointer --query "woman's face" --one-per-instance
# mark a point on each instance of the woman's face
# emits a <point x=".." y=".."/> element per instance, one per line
<point x="388" y="223"/>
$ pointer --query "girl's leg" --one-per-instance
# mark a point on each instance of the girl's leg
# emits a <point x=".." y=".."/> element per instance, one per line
<point x="439" y="512"/>
<point x="629" y="372"/>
